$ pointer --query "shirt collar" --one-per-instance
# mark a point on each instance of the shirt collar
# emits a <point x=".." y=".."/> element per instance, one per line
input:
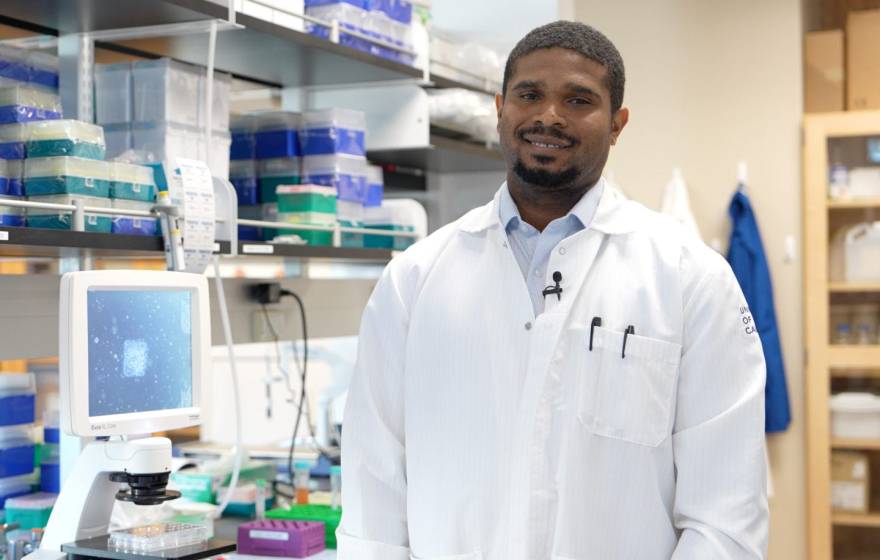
<point x="582" y="212"/>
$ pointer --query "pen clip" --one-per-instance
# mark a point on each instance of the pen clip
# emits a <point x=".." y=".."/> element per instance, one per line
<point x="629" y="330"/>
<point x="597" y="322"/>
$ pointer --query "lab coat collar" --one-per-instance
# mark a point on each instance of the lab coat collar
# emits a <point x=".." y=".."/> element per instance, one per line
<point x="615" y="214"/>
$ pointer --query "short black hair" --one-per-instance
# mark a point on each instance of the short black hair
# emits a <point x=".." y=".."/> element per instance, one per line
<point x="581" y="38"/>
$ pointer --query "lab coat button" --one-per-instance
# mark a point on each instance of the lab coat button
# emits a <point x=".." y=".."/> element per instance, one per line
<point x="562" y="250"/>
<point x="529" y="326"/>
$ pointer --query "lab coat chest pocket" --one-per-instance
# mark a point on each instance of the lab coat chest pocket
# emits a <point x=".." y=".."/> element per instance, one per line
<point x="628" y="398"/>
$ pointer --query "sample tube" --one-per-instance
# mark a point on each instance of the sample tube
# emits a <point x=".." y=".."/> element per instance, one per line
<point x="335" y="487"/>
<point x="302" y="471"/>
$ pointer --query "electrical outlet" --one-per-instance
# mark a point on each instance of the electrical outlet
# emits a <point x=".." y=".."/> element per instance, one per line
<point x="260" y="327"/>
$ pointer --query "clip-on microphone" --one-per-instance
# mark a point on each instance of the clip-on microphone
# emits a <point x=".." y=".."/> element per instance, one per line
<point x="557" y="289"/>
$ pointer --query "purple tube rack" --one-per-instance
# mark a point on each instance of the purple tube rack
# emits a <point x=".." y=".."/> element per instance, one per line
<point x="281" y="537"/>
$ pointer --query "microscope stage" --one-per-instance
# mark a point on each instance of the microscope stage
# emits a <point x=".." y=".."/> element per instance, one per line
<point x="99" y="547"/>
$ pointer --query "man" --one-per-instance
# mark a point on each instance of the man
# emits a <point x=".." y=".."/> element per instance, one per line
<point x="560" y="374"/>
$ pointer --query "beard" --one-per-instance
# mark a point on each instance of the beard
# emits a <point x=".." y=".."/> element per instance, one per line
<point x="549" y="180"/>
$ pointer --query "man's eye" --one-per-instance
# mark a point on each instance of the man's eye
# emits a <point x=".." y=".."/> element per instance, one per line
<point x="528" y="96"/>
<point x="580" y="101"/>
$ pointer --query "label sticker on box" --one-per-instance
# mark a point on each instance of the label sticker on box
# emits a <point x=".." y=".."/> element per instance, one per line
<point x="258" y="249"/>
<point x="4" y="236"/>
<point x="270" y="535"/>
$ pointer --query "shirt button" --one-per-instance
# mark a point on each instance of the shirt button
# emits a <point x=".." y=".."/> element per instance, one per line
<point x="562" y="250"/>
<point x="505" y="244"/>
<point x="529" y="326"/>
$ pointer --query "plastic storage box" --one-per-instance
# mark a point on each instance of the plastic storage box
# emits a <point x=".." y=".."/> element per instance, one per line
<point x="243" y="502"/>
<point x="13" y="66"/>
<point x="276" y="135"/>
<point x="4" y="177"/>
<point x="375" y="186"/>
<point x="850" y="481"/>
<point x="347" y="173"/>
<point x="30" y="511"/>
<point x="118" y="138"/>
<point x="351" y="16"/>
<point x="330" y="517"/>
<point x="43" y="70"/>
<point x="307" y="198"/>
<point x="12" y="141"/>
<point x="333" y="131"/>
<point x="166" y="90"/>
<point x="217" y="156"/>
<point x="278" y="537"/>
<point x="243" y="128"/>
<point x="11" y="216"/>
<point x="243" y="176"/>
<point x="165" y="139"/>
<point x="312" y="237"/>
<point x="131" y="225"/>
<point x="65" y="138"/>
<point x="16" y="450"/>
<point x="221" y="100"/>
<point x="66" y="175"/>
<point x="855" y="416"/>
<point x="13" y="486"/>
<point x="20" y="104"/>
<point x="59" y="219"/>
<point x="862" y="253"/>
<point x="350" y="214"/>
<point x="113" y="93"/>
<point x="15" y="177"/>
<point x="132" y="182"/>
<point x="50" y="470"/>
<point x="276" y="172"/>
<point x="17" y="399"/>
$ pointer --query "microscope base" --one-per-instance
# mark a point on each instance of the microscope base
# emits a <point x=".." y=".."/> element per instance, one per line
<point x="98" y="548"/>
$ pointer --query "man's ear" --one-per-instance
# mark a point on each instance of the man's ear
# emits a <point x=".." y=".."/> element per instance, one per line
<point x="618" y="122"/>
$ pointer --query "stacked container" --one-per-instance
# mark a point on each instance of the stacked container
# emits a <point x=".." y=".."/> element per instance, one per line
<point x="50" y="469"/>
<point x="31" y="68"/>
<point x="389" y="21"/>
<point x="27" y="98"/>
<point x="311" y="205"/>
<point x="17" y="414"/>
<point x="334" y="155"/>
<point x="157" y="107"/>
<point x="132" y="187"/>
<point x="243" y="172"/>
<point x="69" y="169"/>
<point x="278" y="161"/>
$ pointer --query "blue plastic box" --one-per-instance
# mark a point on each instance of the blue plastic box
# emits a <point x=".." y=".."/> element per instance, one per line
<point x="17" y="399"/>
<point x="12" y="141"/>
<point x="333" y="131"/>
<point x="243" y="176"/>
<point x="16" y="451"/>
<point x="12" y="487"/>
<point x="131" y="225"/>
<point x="347" y="173"/>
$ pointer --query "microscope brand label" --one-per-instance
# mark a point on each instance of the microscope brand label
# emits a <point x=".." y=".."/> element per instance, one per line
<point x="104" y="426"/>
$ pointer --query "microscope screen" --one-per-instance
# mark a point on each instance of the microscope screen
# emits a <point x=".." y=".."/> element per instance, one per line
<point x="140" y="350"/>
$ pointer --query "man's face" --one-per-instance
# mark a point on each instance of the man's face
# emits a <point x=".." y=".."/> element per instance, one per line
<point x="555" y="121"/>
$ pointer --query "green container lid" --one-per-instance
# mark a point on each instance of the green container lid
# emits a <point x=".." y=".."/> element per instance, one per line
<point x="310" y="512"/>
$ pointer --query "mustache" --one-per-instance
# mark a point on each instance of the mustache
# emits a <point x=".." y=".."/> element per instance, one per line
<point x="546" y="131"/>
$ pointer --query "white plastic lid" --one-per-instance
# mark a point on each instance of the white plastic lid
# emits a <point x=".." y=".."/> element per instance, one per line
<point x="3" y="168"/>
<point x="12" y="484"/>
<point x="40" y="500"/>
<point x="130" y="173"/>
<point x="16" y="435"/>
<point x="93" y="201"/>
<point x="67" y="129"/>
<point x="375" y="175"/>
<point x="115" y="67"/>
<point x="43" y="60"/>
<point x="12" y="54"/>
<point x="13" y="132"/>
<point x="855" y="402"/>
<point x="124" y="204"/>
<point x="306" y="189"/>
<point x="277" y="120"/>
<point x="165" y="63"/>
<point x="334" y="163"/>
<point x="66" y="166"/>
<point x="243" y="123"/>
<point x="273" y="167"/>
<point x="337" y="117"/>
<point x="17" y="384"/>
<point x="30" y="96"/>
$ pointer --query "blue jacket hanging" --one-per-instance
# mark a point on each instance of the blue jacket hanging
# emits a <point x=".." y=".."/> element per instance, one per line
<point x="746" y="257"/>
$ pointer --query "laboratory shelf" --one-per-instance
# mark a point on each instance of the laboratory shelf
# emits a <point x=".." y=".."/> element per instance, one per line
<point x="260" y="50"/>
<point x="854" y="287"/>
<point x="32" y="242"/>
<point x="856" y="444"/>
<point x="856" y="519"/>
<point x="854" y="203"/>
<point x="451" y="151"/>
<point x="854" y="356"/>
<point x="286" y="250"/>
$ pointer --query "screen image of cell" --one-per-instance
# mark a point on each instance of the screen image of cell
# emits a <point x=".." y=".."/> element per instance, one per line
<point x="140" y="350"/>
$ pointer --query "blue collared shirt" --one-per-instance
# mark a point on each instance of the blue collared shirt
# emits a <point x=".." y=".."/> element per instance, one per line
<point x="532" y="248"/>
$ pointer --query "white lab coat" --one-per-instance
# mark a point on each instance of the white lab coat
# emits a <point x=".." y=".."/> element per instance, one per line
<point x="474" y="430"/>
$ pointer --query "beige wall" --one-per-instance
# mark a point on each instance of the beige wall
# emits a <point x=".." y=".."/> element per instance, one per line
<point x="710" y="83"/>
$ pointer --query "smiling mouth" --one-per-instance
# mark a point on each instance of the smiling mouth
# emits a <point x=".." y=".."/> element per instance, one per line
<point x="547" y="143"/>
